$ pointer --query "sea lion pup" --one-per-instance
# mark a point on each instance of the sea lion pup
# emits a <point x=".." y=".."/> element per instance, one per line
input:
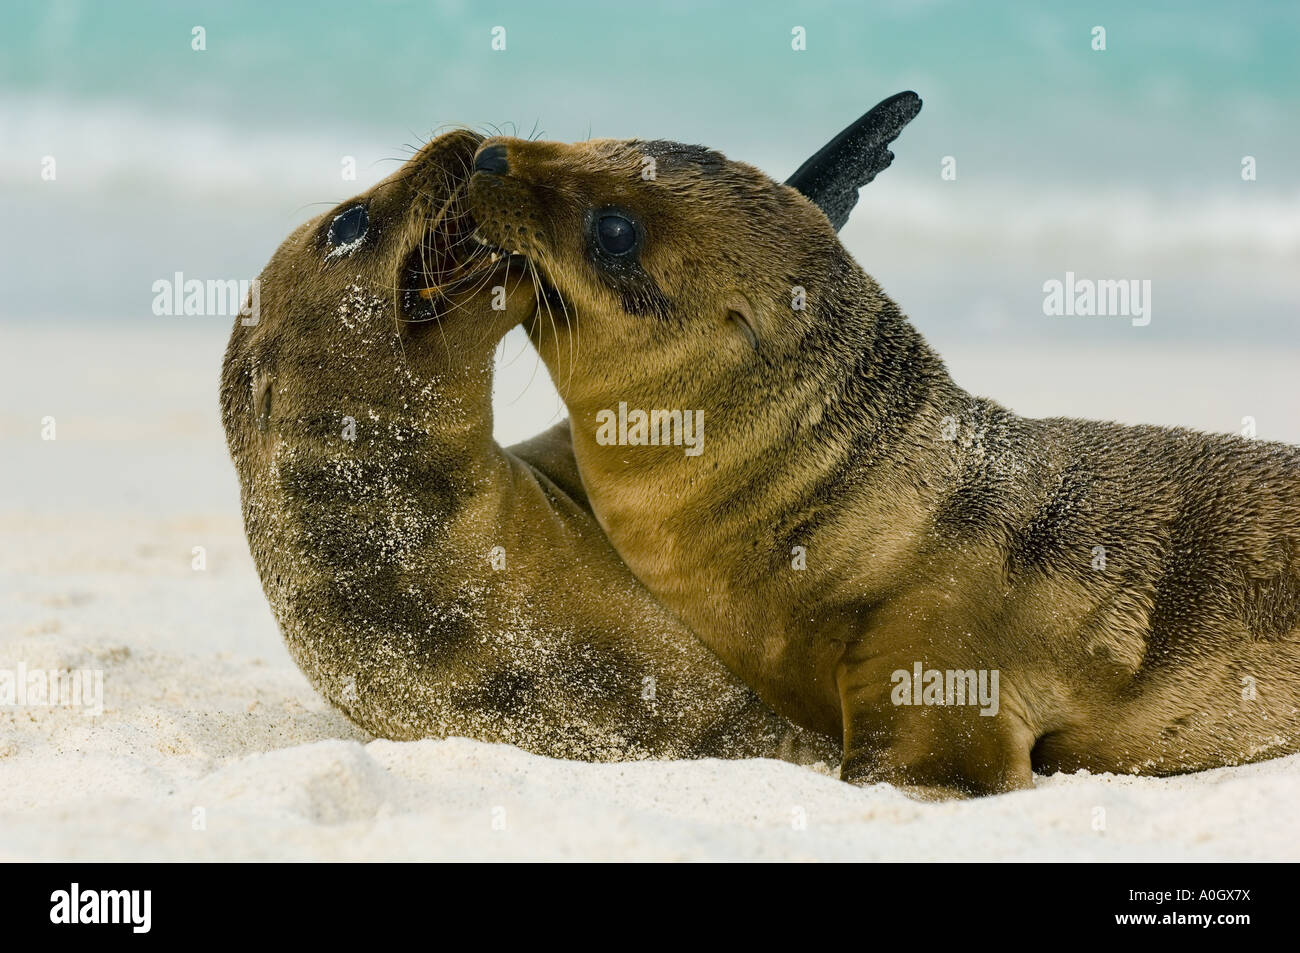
<point x="965" y="594"/>
<point x="428" y="582"/>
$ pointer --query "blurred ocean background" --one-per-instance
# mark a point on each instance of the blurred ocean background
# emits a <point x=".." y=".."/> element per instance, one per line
<point x="1117" y="164"/>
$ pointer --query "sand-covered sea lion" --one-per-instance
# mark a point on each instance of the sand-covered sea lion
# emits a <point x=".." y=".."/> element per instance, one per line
<point x="427" y="581"/>
<point x="965" y="595"/>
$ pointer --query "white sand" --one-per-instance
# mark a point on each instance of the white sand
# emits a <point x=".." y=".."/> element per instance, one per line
<point x="204" y="711"/>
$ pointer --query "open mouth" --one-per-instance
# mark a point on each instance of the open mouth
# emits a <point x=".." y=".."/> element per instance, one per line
<point x="449" y="261"/>
<point x="453" y="259"/>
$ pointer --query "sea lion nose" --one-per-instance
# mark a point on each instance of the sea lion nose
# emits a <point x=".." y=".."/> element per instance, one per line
<point x="492" y="159"/>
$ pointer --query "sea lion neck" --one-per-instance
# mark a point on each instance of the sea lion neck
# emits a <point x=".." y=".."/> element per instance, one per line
<point x="823" y="399"/>
<point x="875" y="376"/>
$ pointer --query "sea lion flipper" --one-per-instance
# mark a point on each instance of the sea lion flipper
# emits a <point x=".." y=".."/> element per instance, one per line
<point x="832" y="176"/>
<point x="934" y="750"/>
<point x="550" y="453"/>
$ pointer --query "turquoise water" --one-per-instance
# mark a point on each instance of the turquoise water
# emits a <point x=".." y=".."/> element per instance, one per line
<point x="1015" y="87"/>
<point x="172" y="159"/>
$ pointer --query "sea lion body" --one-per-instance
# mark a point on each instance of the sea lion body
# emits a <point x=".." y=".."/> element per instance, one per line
<point x="856" y="522"/>
<point x="427" y="581"/>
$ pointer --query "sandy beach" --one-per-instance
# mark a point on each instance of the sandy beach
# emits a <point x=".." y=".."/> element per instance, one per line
<point x="211" y="744"/>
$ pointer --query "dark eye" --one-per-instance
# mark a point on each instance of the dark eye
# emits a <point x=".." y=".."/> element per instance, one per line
<point x="616" y="234"/>
<point x="349" y="227"/>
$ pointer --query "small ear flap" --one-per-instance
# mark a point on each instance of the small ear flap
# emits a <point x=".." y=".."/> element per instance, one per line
<point x="832" y="177"/>
<point x="262" y="400"/>
<point x="741" y="313"/>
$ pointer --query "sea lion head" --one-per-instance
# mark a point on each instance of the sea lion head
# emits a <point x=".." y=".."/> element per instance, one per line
<point x="369" y="303"/>
<point x="661" y="261"/>
<point x="358" y="385"/>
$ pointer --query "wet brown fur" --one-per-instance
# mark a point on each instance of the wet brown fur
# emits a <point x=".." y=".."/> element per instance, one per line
<point x="939" y="527"/>
<point x="376" y="554"/>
